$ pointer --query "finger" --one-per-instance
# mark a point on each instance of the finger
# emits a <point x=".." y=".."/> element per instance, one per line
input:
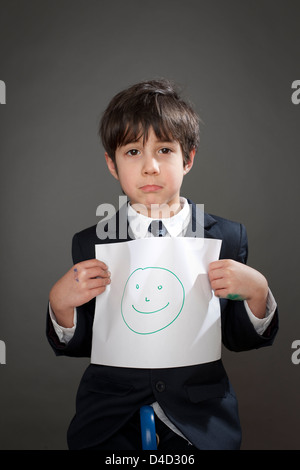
<point x="226" y="294"/>
<point x="221" y="264"/>
<point x="90" y="273"/>
<point x="97" y="291"/>
<point x="91" y="263"/>
<point x="216" y="274"/>
<point x="221" y="293"/>
<point x="218" y="284"/>
<point x="82" y="274"/>
<point x="217" y="264"/>
<point x="96" y="283"/>
<point x="92" y="293"/>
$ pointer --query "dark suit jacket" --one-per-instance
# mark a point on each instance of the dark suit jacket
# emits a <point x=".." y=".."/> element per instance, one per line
<point x="199" y="399"/>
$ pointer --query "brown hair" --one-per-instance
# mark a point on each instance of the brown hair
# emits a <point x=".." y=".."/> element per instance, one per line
<point x="155" y="104"/>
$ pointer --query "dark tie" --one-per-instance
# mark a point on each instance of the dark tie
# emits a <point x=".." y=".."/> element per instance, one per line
<point x="157" y="228"/>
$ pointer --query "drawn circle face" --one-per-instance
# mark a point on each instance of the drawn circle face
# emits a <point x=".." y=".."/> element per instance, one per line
<point x="152" y="299"/>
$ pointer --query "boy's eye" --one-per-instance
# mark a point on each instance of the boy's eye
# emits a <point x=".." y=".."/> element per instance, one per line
<point x="165" y="150"/>
<point x="133" y="152"/>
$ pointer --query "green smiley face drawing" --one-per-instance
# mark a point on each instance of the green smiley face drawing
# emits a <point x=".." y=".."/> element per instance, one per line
<point x="152" y="299"/>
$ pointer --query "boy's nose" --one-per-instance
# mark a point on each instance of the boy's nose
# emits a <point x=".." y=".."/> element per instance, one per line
<point x="150" y="165"/>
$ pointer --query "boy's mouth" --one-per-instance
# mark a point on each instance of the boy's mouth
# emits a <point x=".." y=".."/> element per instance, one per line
<point x="150" y="188"/>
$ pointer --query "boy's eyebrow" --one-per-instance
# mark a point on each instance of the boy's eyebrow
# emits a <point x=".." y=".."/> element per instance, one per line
<point x="160" y="141"/>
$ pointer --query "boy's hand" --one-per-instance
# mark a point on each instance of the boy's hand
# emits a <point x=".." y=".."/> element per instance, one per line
<point x="236" y="281"/>
<point x="81" y="283"/>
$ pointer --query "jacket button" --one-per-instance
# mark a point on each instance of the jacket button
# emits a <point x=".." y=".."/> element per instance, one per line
<point x="160" y="386"/>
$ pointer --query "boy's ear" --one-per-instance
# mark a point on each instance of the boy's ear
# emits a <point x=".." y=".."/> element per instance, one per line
<point x="189" y="164"/>
<point x="111" y="166"/>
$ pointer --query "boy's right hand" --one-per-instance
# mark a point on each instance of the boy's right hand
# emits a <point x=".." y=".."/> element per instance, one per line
<point x="83" y="282"/>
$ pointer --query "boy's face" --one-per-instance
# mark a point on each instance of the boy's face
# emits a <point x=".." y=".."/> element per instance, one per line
<point x="150" y="174"/>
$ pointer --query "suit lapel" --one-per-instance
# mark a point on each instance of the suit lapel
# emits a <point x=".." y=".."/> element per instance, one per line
<point x="202" y="224"/>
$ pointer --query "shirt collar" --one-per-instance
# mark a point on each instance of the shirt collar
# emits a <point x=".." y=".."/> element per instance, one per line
<point x="176" y="225"/>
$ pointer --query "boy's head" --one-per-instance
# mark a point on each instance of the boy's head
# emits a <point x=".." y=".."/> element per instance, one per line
<point x="150" y="104"/>
<point x="150" y="136"/>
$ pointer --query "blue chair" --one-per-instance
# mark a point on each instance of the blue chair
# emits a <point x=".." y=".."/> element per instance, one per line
<point x="148" y="428"/>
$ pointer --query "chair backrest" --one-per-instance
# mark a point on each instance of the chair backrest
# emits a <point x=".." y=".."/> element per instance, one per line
<point x="148" y="431"/>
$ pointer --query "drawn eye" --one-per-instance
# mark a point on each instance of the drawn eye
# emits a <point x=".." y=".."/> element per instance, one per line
<point x="159" y="287"/>
<point x="137" y="286"/>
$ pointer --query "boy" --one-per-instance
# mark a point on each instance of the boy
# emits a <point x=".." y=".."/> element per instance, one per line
<point x="150" y="136"/>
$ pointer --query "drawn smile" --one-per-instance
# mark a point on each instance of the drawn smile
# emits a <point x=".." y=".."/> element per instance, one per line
<point x="154" y="311"/>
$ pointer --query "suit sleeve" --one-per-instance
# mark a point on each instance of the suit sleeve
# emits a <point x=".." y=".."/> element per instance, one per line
<point x="80" y="344"/>
<point x="238" y="333"/>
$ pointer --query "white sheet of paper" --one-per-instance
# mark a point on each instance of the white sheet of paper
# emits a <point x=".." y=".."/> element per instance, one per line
<point x="159" y="310"/>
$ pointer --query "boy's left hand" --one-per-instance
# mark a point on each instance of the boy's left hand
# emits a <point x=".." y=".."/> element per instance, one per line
<point x="236" y="281"/>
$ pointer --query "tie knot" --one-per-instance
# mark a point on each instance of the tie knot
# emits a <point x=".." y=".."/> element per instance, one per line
<point x="157" y="228"/>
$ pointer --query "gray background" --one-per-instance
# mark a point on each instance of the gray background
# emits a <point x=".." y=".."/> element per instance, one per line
<point x="62" y="61"/>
